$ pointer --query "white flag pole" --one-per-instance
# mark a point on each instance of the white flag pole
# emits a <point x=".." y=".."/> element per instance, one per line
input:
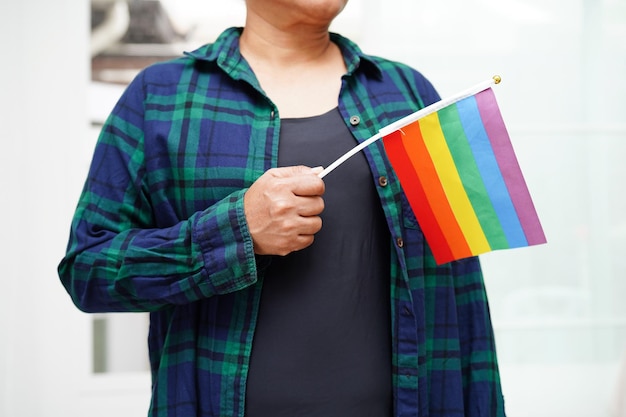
<point x="435" y="107"/>
<point x="343" y="158"/>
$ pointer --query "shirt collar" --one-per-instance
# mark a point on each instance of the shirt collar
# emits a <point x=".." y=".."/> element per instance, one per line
<point x="225" y="53"/>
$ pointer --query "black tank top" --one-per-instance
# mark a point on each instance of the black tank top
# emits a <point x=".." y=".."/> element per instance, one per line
<point x="322" y="347"/>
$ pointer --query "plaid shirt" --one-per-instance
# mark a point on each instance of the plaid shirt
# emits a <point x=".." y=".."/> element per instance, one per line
<point x="160" y="227"/>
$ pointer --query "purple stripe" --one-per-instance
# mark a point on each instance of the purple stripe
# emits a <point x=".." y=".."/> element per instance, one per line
<point x="511" y="172"/>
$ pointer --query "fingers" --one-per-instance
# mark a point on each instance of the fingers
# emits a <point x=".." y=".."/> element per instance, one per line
<point x="310" y="206"/>
<point x="282" y="209"/>
<point x="291" y="171"/>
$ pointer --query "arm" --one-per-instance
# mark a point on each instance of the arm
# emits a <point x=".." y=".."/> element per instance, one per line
<point x="117" y="260"/>
<point x="136" y="269"/>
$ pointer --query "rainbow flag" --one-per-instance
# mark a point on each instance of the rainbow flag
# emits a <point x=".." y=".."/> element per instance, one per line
<point x="462" y="179"/>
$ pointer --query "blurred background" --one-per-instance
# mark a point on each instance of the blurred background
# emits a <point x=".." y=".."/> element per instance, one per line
<point x="559" y="309"/>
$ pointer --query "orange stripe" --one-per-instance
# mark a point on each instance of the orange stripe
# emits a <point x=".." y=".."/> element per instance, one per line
<point x="425" y="169"/>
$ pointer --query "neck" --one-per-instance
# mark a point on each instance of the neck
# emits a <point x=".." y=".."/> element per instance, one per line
<point x="283" y="45"/>
<point x="296" y="64"/>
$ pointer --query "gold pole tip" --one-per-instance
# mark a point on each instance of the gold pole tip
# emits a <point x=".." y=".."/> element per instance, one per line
<point x="497" y="79"/>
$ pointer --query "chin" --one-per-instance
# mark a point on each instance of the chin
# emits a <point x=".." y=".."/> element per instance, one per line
<point x="323" y="9"/>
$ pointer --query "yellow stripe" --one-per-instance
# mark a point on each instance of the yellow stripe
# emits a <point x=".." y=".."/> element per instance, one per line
<point x="452" y="185"/>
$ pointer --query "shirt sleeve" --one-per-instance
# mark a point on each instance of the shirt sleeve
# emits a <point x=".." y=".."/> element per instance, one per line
<point x="117" y="260"/>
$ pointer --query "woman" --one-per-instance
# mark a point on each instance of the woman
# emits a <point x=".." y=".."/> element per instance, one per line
<point x="272" y="292"/>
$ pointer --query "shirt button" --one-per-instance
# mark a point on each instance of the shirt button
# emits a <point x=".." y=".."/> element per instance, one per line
<point x="400" y="242"/>
<point x="383" y="181"/>
<point x="355" y="120"/>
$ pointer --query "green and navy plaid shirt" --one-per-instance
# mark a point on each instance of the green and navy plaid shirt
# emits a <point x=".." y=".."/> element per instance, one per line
<point x="160" y="227"/>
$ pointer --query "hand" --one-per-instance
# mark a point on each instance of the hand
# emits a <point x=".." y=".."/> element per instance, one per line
<point x="282" y="208"/>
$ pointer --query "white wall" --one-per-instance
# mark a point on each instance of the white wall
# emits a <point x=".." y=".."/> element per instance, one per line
<point x="558" y="308"/>
<point x="43" y="76"/>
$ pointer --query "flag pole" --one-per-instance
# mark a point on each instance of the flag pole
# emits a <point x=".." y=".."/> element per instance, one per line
<point x="349" y="154"/>
<point x="435" y="107"/>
